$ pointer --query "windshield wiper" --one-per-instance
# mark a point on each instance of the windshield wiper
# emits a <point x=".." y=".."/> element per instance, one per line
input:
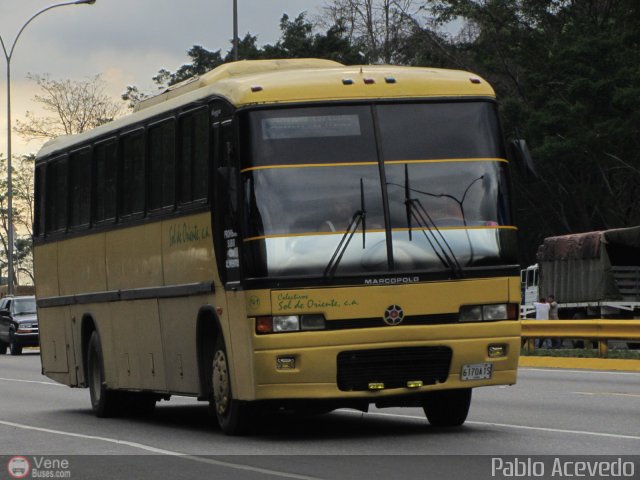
<point x="440" y="246"/>
<point x="359" y="217"/>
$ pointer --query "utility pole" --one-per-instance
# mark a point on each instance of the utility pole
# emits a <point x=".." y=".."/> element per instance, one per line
<point x="235" y="30"/>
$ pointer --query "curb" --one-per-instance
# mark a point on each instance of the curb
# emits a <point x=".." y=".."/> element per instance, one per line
<point x="581" y="363"/>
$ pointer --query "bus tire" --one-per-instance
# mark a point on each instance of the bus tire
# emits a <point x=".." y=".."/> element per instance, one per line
<point x="234" y="416"/>
<point x="447" y="408"/>
<point x="14" y="348"/>
<point x="104" y="402"/>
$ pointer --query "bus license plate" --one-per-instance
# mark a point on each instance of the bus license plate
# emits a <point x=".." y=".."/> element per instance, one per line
<point x="477" y="371"/>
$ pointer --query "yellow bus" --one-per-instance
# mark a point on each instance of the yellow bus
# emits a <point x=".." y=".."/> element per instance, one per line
<point x="289" y="234"/>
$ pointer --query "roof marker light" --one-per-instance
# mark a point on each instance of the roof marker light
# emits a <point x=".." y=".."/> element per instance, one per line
<point x="368" y="81"/>
<point x="347" y="81"/>
<point x="390" y="79"/>
<point x="256" y="88"/>
<point x="475" y="80"/>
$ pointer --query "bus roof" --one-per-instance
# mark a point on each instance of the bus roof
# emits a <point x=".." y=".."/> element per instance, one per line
<point x="263" y="82"/>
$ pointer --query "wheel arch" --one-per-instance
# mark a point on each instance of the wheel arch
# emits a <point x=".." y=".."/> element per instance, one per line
<point x="208" y="328"/>
<point x="87" y="327"/>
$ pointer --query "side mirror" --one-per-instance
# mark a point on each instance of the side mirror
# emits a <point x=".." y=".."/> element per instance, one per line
<point x="520" y="155"/>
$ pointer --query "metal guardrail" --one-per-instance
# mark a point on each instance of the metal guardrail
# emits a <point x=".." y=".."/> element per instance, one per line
<point x="599" y="330"/>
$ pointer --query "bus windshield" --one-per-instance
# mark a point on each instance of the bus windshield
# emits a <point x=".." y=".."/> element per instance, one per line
<point x="431" y="178"/>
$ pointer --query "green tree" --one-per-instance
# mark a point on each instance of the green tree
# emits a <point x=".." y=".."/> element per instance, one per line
<point x="298" y="40"/>
<point x="567" y="74"/>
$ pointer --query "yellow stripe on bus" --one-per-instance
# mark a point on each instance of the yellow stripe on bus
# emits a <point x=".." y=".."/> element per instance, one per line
<point x="391" y="162"/>
<point x="308" y="234"/>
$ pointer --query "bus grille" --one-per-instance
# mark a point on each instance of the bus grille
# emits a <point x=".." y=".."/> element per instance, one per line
<point x="393" y="367"/>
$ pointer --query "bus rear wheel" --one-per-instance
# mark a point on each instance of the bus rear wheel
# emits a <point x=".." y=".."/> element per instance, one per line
<point x="234" y="416"/>
<point x="447" y="408"/>
<point x="104" y="402"/>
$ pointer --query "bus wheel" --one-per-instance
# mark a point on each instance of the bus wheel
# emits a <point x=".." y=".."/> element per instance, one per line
<point x="233" y="415"/>
<point x="447" y="408"/>
<point x="104" y="402"/>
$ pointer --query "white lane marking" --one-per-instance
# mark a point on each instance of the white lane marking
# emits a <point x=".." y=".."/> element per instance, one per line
<point x="562" y="370"/>
<point x="608" y="394"/>
<point x="33" y="381"/>
<point x="161" y="451"/>
<point x="559" y="430"/>
<point x="506" y="425"/>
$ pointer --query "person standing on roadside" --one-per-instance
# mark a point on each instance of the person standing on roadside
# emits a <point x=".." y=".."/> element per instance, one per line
<point x="553" y="315"/>
<point x="542" y="313"/>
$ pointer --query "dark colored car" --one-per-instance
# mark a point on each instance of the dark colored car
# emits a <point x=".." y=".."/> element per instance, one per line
<point x="18" y="324"/>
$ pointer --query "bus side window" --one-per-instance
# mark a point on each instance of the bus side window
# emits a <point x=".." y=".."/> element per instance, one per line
<point x="162" y="165"/>
<point x="132" y="187"/>
<point x="194" y="156"/>
<point x="56" y="207"/>
<point x="105" y="156"/>
<point x="38" y="221"/>
<point x="226" y="205"/>
<point x="80" y="188"/>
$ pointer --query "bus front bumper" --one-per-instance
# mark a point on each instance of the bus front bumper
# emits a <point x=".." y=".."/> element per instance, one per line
<point x="312" y="369"/>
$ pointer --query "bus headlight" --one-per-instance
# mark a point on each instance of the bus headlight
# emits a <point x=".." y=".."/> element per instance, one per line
<point x="286" y="323"/>
<point x="289" y="323"/>
<point x="494" y="312"/>
<point x="471" y="313"/>
<point x="488" y="313"/>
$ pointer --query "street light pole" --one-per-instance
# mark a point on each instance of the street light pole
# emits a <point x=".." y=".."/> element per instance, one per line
<point x="235" y="30"/>
<point x="8" y="55"/>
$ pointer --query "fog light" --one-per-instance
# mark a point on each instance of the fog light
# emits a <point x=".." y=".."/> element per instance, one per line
<point x="376" y="386"/>
<point x="286" y="362"/>
<point x="499" y="350"/>
<point x="414" y="383"/>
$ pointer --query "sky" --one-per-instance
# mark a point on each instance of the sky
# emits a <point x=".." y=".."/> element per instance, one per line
<point x="127" y="41"/>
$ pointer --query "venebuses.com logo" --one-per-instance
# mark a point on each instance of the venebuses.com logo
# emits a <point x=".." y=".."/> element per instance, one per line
<point x="18" y="467"/>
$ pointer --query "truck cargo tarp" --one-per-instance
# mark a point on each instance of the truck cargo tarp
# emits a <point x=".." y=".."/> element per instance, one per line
<point x="579" y="267"/>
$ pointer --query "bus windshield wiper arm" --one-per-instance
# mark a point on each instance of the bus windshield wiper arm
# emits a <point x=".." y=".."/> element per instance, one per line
<point x="435" y="238"/>
<point x="360" y="216"/>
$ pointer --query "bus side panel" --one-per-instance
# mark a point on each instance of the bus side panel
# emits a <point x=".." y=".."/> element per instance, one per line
<point x="45" y="261"/>
<point x="178" y="319"/>
<point x="53" y="340"/>
<point x="137" y="345"/>
<point x="81" y="265"/>
<point x="187" y="250"/>
<point x="187" y="258"/>
<point x="134" y="257"/>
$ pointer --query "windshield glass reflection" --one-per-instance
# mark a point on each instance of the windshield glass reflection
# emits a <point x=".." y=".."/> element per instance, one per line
<point x="302" y="188"/>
